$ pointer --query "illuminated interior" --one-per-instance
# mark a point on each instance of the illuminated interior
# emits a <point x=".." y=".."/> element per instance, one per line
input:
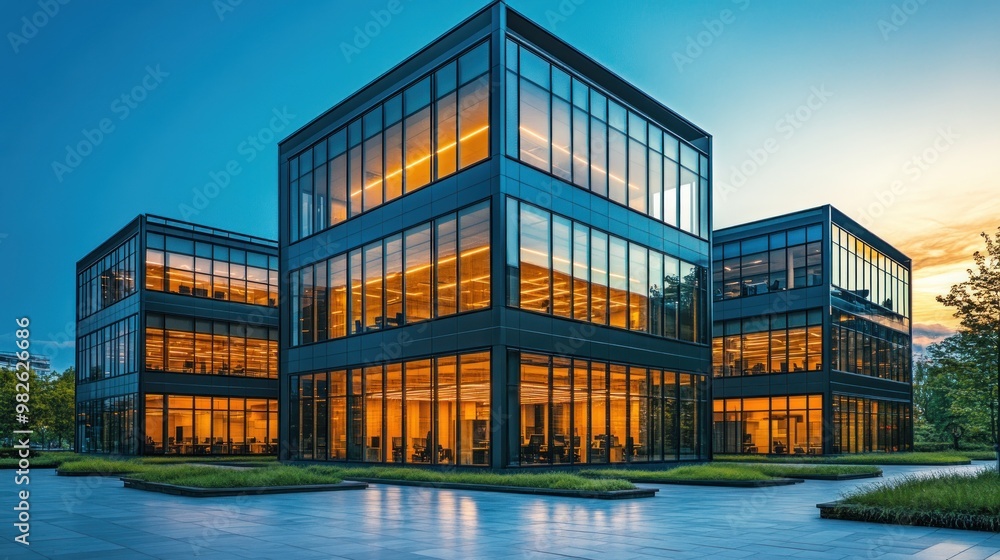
<point x="777" y="425"/>
<point x="565" y="268"/>
<point x="435" y="411"/>
<point x="776" y="343"/>
<point x="436" y="126"/>
<point x="431" y="270"/>
<point x="183" y="345"/>
<point x="197" y="425"/>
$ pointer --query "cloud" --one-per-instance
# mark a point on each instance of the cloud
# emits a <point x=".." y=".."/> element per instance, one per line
<point x="925" y="334"/>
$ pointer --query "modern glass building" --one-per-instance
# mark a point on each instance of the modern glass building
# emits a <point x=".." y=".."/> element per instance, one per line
<point x="811" y="338"/>
<point x="177" y="342"/>
<point x="497" y="256"/>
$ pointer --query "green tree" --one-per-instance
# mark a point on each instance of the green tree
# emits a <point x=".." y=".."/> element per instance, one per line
<point x="954" y="390"/>
<point x="977" y="305"/>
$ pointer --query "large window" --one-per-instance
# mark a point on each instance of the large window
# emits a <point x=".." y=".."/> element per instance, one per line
<point x="784" y="260"/>
<point x="868" y="282"/>
<point x="196" y="268"/>
<point x="188" y="345"/>
<point x="565" y="268"/>
<point x="863" y="425"/>
<point x="434" y="269"/>
<point x="429" y="411"/>
<point x="199" y="425"/>
<point x="776" y="343"/>
<point x="581" y="411"/>
<point x="107" y="352"/>
<point x="858" y="345"/>
<point x="107" y="425"/>
<point x="429" y="130"/>
<point x="791" y="425"/>
<point x="561" y="125"/>
<point x="107" y="281"/>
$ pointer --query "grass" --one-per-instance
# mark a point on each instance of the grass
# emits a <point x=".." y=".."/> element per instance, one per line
<point x="41" y="459"/>
<point x="942" y="499"/>
<point x="103" y="466"/>
<point x="553" y="481"/>
<point x="215" y="477"/>
<point x="689" y="472"/>
<point x="914" y="458"/>
<point x="745" y="472"/>
<point x="977" y="455"/>
<point x="173" y="459"/>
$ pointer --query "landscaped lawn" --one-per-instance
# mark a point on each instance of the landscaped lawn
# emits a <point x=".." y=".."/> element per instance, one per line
<point x="102" y="465"/>
<point x="744" y="471"/>
<point x="221" y="477"/>
<point x="917" y="458"/>
<point x="554" y="481"/>
<point x="941" y="499"/>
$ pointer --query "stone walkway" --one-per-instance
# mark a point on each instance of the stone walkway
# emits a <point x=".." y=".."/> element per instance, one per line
<point x="97" y="518"/>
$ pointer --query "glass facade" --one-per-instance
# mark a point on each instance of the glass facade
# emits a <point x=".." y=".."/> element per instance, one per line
<point x="784" y="260"/>
<point x="582" y="411"/>
<point x="777" y="343"/>
<point x="109" y="351"/>
<point x="861" y="346"/>
<point x="432" y="128"/>
<point x="106" y="425"/>
<point x="559" y="123"/>
<point x="863" y="425"/>
<point x="201" y="269"/>
<point x="560" y="267"/>
<point x="769" y="425"/>
<point x="426" y="411"/>
<point x="108" y="281"/>
<point x="868" y="282"/>
<point x="190" y="345"/>
<point x="435" y="269"/>
<point x="202" y="425"/>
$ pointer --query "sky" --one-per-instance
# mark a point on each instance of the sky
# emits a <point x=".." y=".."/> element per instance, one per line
<point x="884" y="108"/>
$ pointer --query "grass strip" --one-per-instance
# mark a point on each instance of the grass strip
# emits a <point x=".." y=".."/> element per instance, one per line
<point x="103" y="466"/>
<point x="955" y="500"/>
<point x="741" y="472"/>
<point x="553" y="481"/>
<point x="216" y="477"/>
<point x="914" y="458"/>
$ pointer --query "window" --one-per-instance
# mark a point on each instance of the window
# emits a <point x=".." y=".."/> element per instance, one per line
<point x="397" y="280"/>
<point x="431" y="129"/>
<point x="577" y="134"/>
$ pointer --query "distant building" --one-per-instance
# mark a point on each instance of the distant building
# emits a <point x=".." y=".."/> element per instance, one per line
<point x="177" y="342"/>
<point x="41" y="364"/>
<point x="498" y="254"/>
<point x="811" y="339"/>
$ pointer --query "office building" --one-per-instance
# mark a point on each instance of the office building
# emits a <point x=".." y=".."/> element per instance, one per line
<point x="177" y="341"/>
<point x="497" y="256"/>
<point x="811" y="338"/>
<point x="37" y="362"/>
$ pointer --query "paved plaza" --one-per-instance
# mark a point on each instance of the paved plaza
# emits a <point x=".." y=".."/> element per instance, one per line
<point x="97" y="518"/>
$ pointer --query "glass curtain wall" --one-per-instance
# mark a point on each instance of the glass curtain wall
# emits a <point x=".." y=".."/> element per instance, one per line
<point x="791" y="425"/>
<point x="581" y="411"/>
<point x="109" y="280"/>
<point x="107" y="425"/>
<point x="784" y="260"/>
<point x="560" y="124"/>
<point x="560" y="267"/>
<point x="200" y="269"/>
<point x="432" y="270"/>
<point x="108" y="352"/>
<point x="201" y="425"/>
<point x="777" y="343"/>
<point x="863" y="425"/>
<point x="189" y="345"/>
<point x="427" y="411"/>
<point x="434" y="127"/>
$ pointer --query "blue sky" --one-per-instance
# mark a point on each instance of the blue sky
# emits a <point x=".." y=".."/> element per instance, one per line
<point x="884" y="108"/>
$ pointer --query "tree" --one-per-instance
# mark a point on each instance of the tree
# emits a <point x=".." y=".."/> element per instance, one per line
<point x="948" y="389"/>
<point x="977" y="304"/>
